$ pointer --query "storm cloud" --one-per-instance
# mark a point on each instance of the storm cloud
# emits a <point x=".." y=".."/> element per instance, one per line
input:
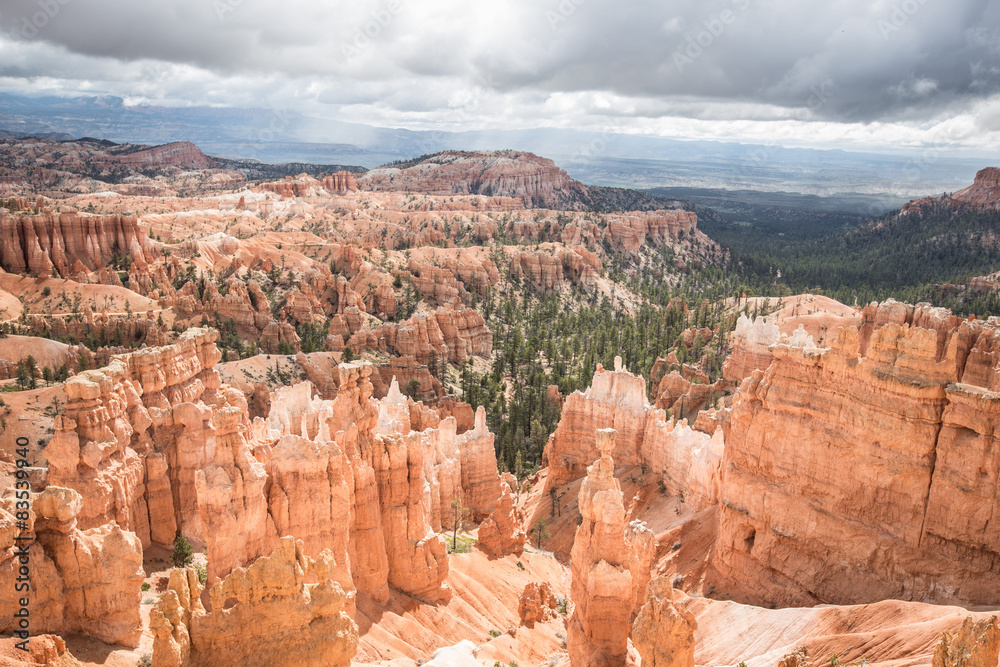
<point x="855" y="71"/>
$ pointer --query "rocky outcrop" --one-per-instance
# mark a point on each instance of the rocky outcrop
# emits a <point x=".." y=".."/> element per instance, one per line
<point x="534" y="180"/>
<point x="446" y="333"/>
<point x="610" y="563"/>
<point x="908" y="406"/>
<point x="359" y="458"/>
<point x="663" y="632"/>
<point x="340" y="181"/>
<point x="135" y="434"/>
<point x="84" y="582"/>
<point x="751" y="346"/>
<point x="631" y="231"/>
<point x="983" y="193"/>
<point x="975" y="644"/>
<point x="266" y="614"/>
<point x="418" y="560"/>
<point x="71" y="243"/>
<point x="537" y="603"/>
<point x="685" y="398"/>
<point x="502" y="533"/>
<point x="179" y="154"/>
<point x="47" y="650"/>
<point x="615" y="399"/>
<point x="688" y="462"/>
<point x="480" y="479"/>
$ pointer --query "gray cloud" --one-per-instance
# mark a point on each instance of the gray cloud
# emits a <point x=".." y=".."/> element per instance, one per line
<point x="854" y="62"/>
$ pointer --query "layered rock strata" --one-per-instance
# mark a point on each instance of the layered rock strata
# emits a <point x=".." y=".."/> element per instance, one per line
<point x="909" y="405"/>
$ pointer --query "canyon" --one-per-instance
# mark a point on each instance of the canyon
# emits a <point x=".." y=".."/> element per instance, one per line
<point x="314" y="382"/>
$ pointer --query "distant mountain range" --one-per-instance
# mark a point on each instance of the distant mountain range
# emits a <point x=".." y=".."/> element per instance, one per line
<point x="610" y="159"/>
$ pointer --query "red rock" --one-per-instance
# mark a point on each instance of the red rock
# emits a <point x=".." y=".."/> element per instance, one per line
<point x="910" y="519"/>
<point x="610" y="563"/>
<point x="83" y="582"/>
<point x="502" y="533"/>
<point x="663" y="632"/>
<point x="38" y="243"/>
<point x="537" y="604"/>
<point x="254" y="610"/>
<point x="976" y="644"/>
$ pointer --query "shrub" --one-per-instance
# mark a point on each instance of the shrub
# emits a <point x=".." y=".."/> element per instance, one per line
<point x="183" y="553"/>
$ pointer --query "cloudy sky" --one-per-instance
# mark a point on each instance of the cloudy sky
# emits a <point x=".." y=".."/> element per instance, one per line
<point x="855" y="74"/>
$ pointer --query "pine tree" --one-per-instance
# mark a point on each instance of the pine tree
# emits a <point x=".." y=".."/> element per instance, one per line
<point x="183" y="552"/>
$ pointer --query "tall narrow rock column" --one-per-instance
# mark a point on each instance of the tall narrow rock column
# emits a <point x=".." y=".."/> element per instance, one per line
<point x="611" y="560"/>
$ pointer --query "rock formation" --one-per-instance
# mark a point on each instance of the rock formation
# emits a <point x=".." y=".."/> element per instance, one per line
<point x="537" y="604"/>
<point x="446" y="333"/>
<point x="47" y="650"/>
<point x="689" y="462"/>
<point x="751" y="346"/>
<point x="663" y="632"/>
<point x="615" y="399"/>
<point x="70" y="243"/>
<point x="534" y="180"/>
<point x="975" y="644"/>
<point x="906" y="404"/>
<point x="83" y="582"/>
<point x="610" y="563"/>
<point x="502" y="533"/>
<point x="266" y="614"/>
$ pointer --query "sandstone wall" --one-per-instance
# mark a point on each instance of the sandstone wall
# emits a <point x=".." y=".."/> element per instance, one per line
<point x="866" y="470"/>
<point x="70" y="242"/>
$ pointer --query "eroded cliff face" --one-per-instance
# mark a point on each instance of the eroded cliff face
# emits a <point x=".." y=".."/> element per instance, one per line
<point x="70" y="243"/>
<point x="266" y="614"/>
<point x="867" y="470"/>
<point x="688" y="461"/>
<point x="610" y="562"/>
<point x="615" y="399"/>
<point x="82" y="581"/>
